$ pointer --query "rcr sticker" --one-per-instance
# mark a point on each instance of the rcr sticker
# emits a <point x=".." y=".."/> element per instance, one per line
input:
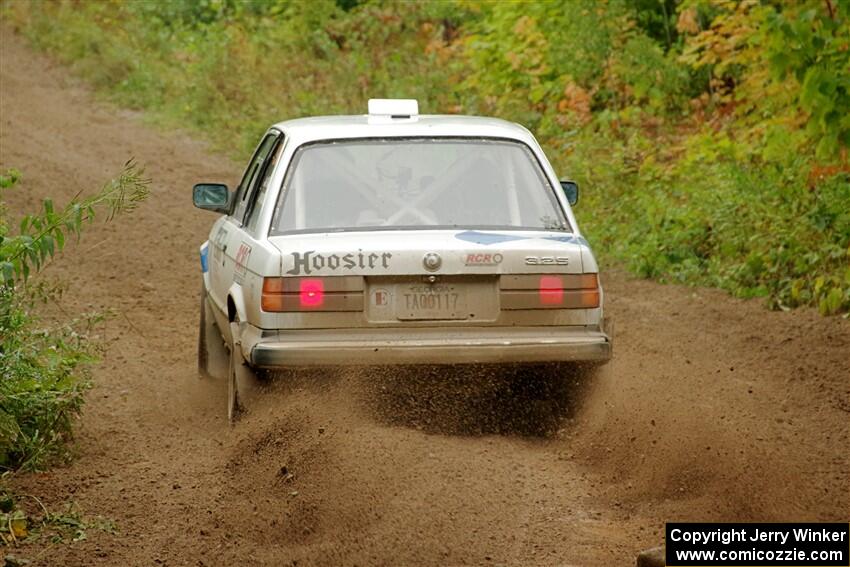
<point x="307" y="262"/>
<point x="482" y="259"/>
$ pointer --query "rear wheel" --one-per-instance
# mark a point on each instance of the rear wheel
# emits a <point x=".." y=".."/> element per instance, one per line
<point x="243" y="381"/>
<point x="234" y="404"/>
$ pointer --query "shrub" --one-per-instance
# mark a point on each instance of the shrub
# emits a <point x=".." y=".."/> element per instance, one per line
<point x="44" y="367"/>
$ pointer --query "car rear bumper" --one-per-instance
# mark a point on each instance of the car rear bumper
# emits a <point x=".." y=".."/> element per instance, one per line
<point x="276" y="349"/>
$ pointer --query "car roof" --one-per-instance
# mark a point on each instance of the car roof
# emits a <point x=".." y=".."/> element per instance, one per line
<point x="305" y="130"/>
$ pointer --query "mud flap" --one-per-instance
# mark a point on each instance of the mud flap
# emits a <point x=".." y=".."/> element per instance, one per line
<point x="607" y="327"/>
<point x="212" y="354"/>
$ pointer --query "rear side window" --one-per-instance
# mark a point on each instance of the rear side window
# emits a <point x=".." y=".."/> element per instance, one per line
<point x="262" y="186"/>
<point x="416" y="183"/>
<point x="254" y="169"/>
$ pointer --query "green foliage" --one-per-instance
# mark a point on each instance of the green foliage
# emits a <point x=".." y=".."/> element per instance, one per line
<point x="755" y="230"/>
<point x="812" y="42"/>
<point x="24" y="519"/>
<point x="198" y="64"/>
<point x="43" y="382"/>
<point x="9" y="178"/>
<point x="710" y="136"/>
<point x="657" y="18"/>
<point x="43" y="368"/>
<point x="42" y="235"/>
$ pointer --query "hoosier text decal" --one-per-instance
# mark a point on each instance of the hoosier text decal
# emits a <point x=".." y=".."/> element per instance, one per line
<point x="306" y="262"/>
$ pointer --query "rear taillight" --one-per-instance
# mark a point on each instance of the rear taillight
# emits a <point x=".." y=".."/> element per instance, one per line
<point x="311" y="293"/>
<point x="550" y="291"/>
<point x="343" y="293"/>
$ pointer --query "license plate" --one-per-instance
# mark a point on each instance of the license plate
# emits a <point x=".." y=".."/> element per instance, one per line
<point x="435" y="301"/>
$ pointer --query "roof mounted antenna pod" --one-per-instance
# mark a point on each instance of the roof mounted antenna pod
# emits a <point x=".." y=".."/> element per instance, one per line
<point x="394" y="107"/>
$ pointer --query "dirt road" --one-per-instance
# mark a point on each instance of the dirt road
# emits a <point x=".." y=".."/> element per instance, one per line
<point x="713" y="409"/>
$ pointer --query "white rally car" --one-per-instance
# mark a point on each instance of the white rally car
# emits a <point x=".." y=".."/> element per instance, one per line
<point x="396" y="238"/>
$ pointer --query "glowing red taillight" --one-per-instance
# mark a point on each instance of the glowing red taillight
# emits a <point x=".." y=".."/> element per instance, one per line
<point x="340" y="293"/>
<point x="551" y="290"/>
<point x="311" y="292"/>
<point x="570" y="292"/>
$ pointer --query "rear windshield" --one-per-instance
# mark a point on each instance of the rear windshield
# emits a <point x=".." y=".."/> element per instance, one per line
<point x="415" y="183"/>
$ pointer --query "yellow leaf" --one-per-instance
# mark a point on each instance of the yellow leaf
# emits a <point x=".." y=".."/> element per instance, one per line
<point x="687" y="22"/>
<point x="19" y="527"/>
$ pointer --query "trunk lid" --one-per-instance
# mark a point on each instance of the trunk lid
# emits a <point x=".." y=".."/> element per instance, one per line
<point x="403" y="253"/>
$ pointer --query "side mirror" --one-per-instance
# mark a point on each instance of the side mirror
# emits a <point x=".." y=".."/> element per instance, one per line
<point x="211" y="197"/>
<point x="570" y="189"/>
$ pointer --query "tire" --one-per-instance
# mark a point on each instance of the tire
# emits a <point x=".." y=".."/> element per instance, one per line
<point x="203" y="353"/>
<point x="212" y="354"/>
<point x="234" y="404"/>
<point x="243" y="381"/>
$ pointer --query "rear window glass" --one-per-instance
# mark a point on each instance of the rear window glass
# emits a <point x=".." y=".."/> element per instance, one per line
<point x="415" y="183"/>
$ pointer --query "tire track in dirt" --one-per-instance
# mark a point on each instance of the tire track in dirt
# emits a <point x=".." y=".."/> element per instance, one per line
<point x="713" y="409"/>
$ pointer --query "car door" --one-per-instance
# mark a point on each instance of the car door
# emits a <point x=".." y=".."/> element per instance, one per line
<point x="256" y="256"/>
<point x="228" y="235"/>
